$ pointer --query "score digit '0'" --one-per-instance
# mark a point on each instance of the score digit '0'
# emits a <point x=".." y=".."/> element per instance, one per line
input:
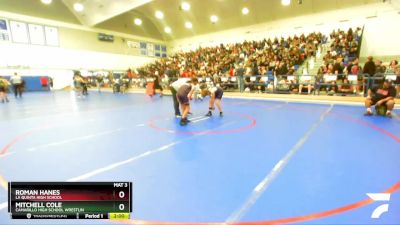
<point x="121" y="194"/>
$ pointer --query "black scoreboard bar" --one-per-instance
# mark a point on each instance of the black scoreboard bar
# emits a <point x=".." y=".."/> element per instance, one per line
<point x="70" y="200"/>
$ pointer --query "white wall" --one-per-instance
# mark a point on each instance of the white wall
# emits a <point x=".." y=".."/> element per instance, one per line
<point x="376" y="30"/>
<point x="29" y="60"/>
<point x="79" y="50"/>
<point x="31" y="19"/>
<point x="61" y="78"/>
<point x="43" y="57"/>
<point x="382" y="36"/>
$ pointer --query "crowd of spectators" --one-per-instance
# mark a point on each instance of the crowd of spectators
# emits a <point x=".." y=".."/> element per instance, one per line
<point x="340" y="61"/>
<point x="344" y="47"/>
<point x="273" y="56"/>
<point x="341" y="72"/>
<point x="352" y="77"/>
<point x="278" y="58"/>
<point x="332" y="74"/>
<point x="275" y="60"/>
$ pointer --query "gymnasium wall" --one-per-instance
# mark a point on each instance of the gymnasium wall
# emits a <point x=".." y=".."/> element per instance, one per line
<point x="79" y="48"/>
<point x="42" y="57"/>
<point x="380" y="37"/>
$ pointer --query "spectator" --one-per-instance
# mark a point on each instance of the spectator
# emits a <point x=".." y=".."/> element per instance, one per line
<point x="392" y="67"/>
<point x="397" y="82"/>
<point x="331" y="87"/>
<point x="231" y="72"/>
<point x="380" y="69"/>
<point x="110" y="77"/>
<point x="319" y="80"/>
<point x="129" y="75"/>
<point x="353" y="47"/>
<point x="51" y="83"/>
<point x="99" y="82"/>
<point x="240" y="74"/>
<point x="381" y="96"/>
<point x="78" y="83"/>
<point x="157" y="84"/>
<point x="354" y="69"/>
<point x="255" y="68"/>
<point x="44" y="82"/>
<point x="261" y="84"/>
<point x="380" y="73"/>
<point x="17" y="84"/>
<point x="185" y="74"/>
<point x="370" y="67"/>
<point x="281" y="70"/>
<point x="305" y="80"/>
<point x="322" y="70"/>
<point x="338" y="68"/>
<point x="370" y="70"/>
<point x="85" y="85"/>
<point x="346" y="87"/>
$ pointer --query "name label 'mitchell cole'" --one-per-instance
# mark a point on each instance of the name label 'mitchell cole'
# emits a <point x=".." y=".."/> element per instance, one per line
<point x="70" y="200"/>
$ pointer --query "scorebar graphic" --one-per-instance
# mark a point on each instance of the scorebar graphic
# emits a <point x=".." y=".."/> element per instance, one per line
<point x="70" y="200"/>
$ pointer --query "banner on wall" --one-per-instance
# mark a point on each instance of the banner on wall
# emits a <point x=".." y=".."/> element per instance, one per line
<point x="51" y="35"/>
<point x="36" y="34"/>
<point x="4" y="32"/>
<point x="150" y="49"/>
<point x="147" y="49"/>
<point x="19" y="32"/>
<point x="133" y="44"/>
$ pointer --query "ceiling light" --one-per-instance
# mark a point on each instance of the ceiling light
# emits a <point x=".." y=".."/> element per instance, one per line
<point x="245" y="11"/>
<point x="138" y="21"/>
<point x="47" y="2"/>
<point x="185" y="6"/>
<point x="78" y="7"/>
<point x="167" y="30"/>
<point x="159" y="14"/>
<point x="285" y="2"/>
<point x="214" y="18"/>
<point x="188" y="25"/>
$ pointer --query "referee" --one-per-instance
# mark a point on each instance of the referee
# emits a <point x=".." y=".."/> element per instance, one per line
<point x="17" y="83"/>
<point x="174" y="87"/>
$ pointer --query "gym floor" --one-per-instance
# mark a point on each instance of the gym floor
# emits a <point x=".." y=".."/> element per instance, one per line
<point x="264" y="162"/>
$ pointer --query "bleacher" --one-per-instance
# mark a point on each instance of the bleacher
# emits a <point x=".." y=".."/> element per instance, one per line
<point x="221" y="59"/>
<point x="262" y="61"/>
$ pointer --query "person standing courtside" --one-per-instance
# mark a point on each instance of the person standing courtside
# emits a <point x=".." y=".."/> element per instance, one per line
<point x="240" y="73"/>
<point x="370" y="70"/>
<point x="16" y="82"/>
<point x="157" y="83"/>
